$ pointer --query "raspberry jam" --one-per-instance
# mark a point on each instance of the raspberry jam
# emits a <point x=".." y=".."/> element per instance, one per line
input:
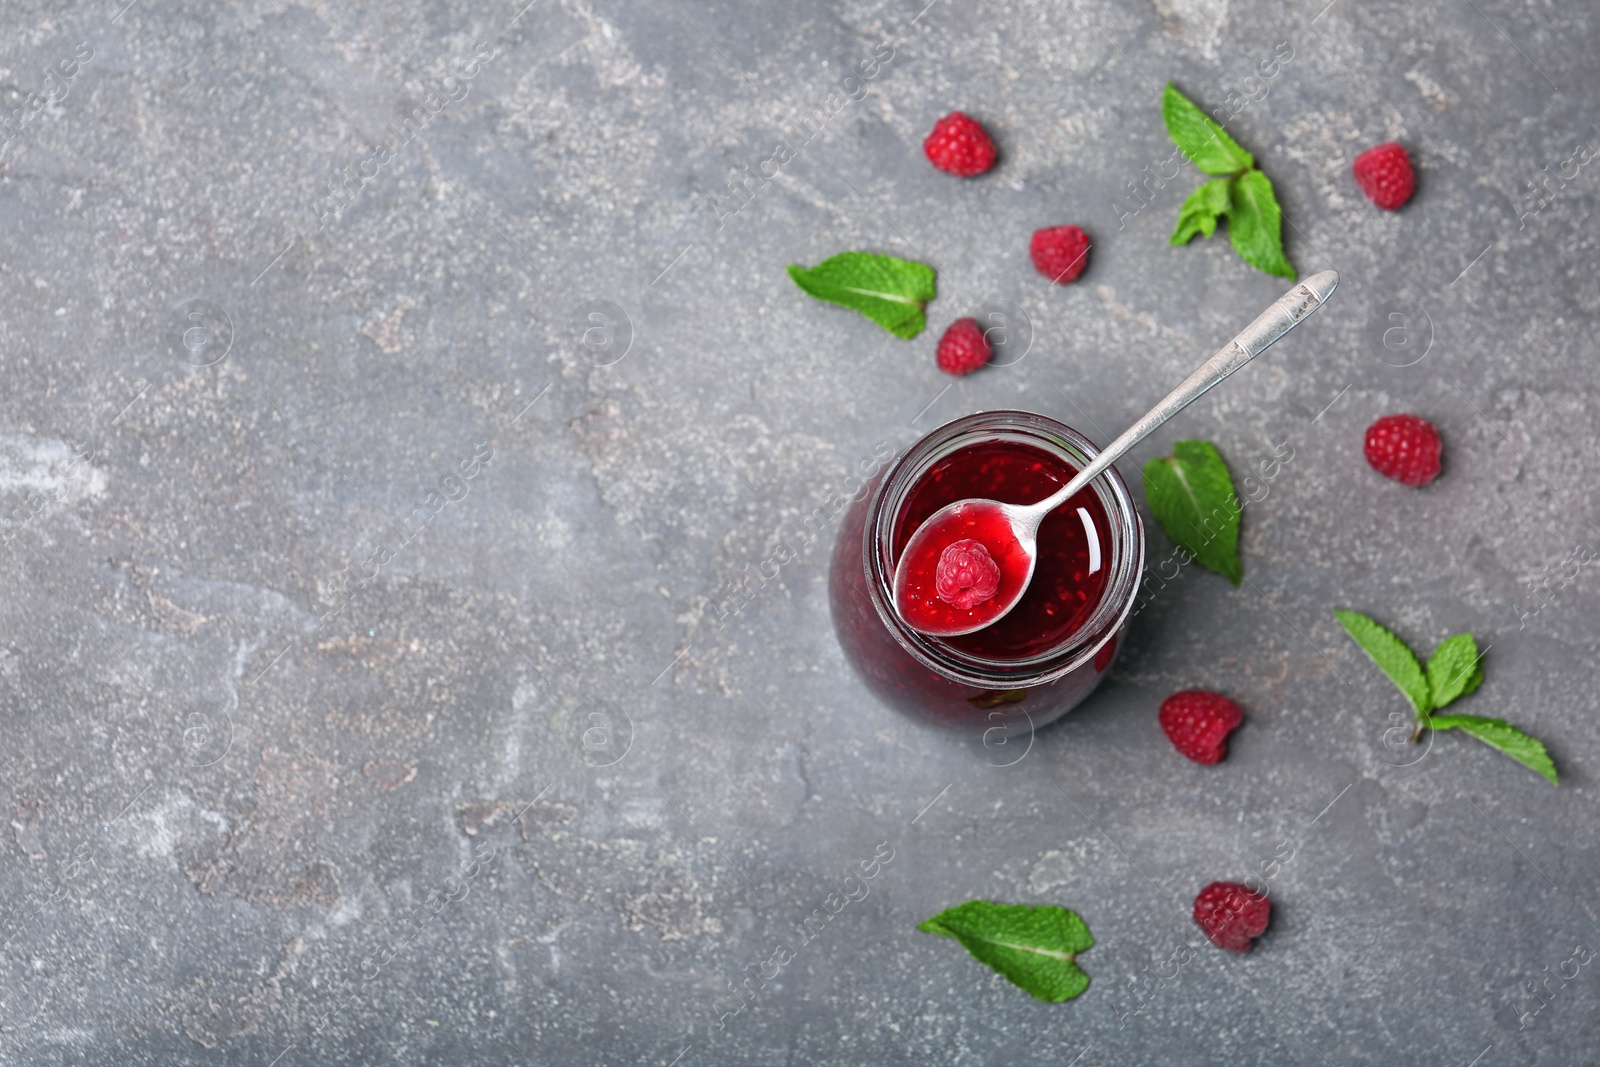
<point x="1054" y="646"/>
<point x="1068" y="579"/>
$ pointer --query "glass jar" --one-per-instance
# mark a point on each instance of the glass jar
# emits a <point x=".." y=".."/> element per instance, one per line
<point x="933" y="680"/>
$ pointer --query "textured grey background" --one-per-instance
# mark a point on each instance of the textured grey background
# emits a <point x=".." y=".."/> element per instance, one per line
<point x="242" y="827"/>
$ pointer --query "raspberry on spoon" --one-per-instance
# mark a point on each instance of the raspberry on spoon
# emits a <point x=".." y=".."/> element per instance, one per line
<point x="967" y="575"/>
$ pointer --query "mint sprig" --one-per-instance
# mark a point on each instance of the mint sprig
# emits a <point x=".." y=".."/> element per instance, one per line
<point x="1241" y="193"/>
<point x="889" y="291"/>
<point x="1032" y="946"/>
<point x="1454" y="670"/>
<point x="1191" y="494"/>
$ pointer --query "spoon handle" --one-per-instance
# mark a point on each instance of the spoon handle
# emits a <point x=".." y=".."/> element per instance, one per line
<point x="1284" y="315"/>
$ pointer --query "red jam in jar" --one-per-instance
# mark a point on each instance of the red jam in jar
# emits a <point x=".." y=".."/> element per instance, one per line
<point x="1050" y="650"/>
<point x="1068" y="578"/>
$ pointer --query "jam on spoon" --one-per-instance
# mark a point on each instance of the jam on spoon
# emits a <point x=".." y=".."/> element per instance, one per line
<point x="1070" y="571"/>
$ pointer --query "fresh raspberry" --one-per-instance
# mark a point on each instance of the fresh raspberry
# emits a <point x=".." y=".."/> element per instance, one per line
<point x="967" y="575"/>
<point x="963" y="348"/>
<point x="1405" y="448"/>
<point x="1232" y="915"/>
<point x="1385" y="175"/>
<point x="1198" y="724"/>
<point x="1059" y="253"/>
<point x="959" y="146"/>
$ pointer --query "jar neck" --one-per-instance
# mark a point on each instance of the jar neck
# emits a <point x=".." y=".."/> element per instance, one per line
<point x="1124" y="549"/>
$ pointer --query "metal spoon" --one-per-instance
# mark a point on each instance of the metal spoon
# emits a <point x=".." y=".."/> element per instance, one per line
<point x="1024" y="520"/>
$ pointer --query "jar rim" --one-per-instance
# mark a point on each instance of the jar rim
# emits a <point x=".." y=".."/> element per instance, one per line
<point x="1126" y="550"/>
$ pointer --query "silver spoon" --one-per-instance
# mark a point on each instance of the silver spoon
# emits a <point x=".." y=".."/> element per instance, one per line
<point x="1023" y="520"/>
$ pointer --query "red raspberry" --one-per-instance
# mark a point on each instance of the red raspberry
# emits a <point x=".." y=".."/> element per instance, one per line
<point x="1059" y="253"/>
<point x="1232" y="915"/>
<point x="967" y="575"/>
<point x="1385" y="175"/>
<point x="1405" y="448"/>
<point x="1198" y="724"/>
<point x="963" y="348"/>
<point x="959" y="146"/>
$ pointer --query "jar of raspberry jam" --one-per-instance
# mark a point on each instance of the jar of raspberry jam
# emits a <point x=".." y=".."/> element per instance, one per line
<point x="1053" y="648"/>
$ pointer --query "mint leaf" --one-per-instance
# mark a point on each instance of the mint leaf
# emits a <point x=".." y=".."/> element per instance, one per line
<point x="1191" y="494"/>
<point x="1033" y="947"/>
<point x="1202" y="140"/>
<point x="1254" y="225"/>
<point x="1392" y="657"/>
<point x="1455" y="669"/>
<point x="889" y="291"/>
<point x="1199" y="213"/>
<point x="1501" y="735"/>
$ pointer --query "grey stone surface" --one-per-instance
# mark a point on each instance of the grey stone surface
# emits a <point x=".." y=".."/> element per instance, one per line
<point x="298" y="774"/>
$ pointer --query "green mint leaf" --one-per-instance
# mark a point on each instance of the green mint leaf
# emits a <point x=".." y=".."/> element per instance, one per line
<point x="1501" y="735"/>
<point x="1202" y="140"/>
<point x="1199" y="213"/>
<point x="1191" y="494"/>
<point x="1455" y="669"/>
<point x="889" y="291"/>
<point x="1255" y="223"/>
<point x="1392" y="657"/>
<point x="1033" y="947"/>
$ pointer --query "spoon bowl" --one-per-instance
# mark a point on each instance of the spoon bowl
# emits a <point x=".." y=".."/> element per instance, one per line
<point x="970" y="562"/>
<point x="1010" y="541"/>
